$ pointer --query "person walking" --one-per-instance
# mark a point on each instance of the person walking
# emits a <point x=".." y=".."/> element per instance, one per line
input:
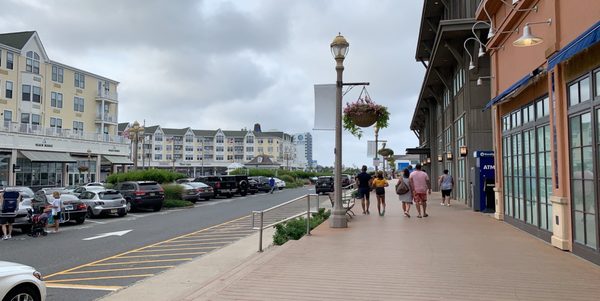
<point x="363" y="182"/>
<point x="420" y="187"/>
<point x="380" y="183"/>
<point x="272" y="184"/>
<point x="404" y="192"/>
<point x="446" y="183"/>
<point x="56" y="207"/>
<point x="9" y="204"/>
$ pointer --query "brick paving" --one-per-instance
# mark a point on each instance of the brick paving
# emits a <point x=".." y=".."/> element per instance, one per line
<point x="454" y="254"/>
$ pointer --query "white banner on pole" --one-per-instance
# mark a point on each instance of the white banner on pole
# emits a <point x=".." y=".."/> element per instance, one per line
<point x="325" y="107"/>
<point x="371" y="149"/>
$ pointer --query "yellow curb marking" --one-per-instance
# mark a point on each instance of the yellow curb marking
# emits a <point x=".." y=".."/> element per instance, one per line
<point x="142" y="248"/>
<point x="84" y="287"/>
<point x="176" y="249"/>
<point x="203" y="242"/>
<point x="116" y="270"/>
<point x="210" y="239"/>
<point x="141" y="261"/>
<point x="178" y="245"/>
<point x="100" y="278"/>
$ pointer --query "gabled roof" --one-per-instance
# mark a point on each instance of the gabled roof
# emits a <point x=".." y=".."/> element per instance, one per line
<point x="235" y="133"/>
<point x="269" y="134"/>
<point x="151" y="129"/>
<point x="205" y="133"/>
<point x="262" y="160"/>
<point x="122" y="126"/>
<point x="175" y="132"/>
<point x="16" y="39"/>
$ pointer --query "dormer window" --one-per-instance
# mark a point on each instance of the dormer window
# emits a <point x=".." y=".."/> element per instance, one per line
<point x="33" y="62"/>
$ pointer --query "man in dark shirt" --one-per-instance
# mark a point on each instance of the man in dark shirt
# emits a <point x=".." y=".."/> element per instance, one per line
<point x="363" y="182"/>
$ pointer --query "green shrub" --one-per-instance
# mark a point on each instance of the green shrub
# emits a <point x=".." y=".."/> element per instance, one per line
<point x="296" y="228"/>
<point x="287" y="179"/>
<point x="176" y="203"/>
<point x="172" y="191"/>
<point x="158" y="175"/>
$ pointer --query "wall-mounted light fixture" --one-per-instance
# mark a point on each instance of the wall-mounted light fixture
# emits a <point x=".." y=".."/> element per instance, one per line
<point x="471" y="65"/>
<point x="480" y="79"/>
<point x="528" y="39"/>
<point x="449" y="155"/>
<point x="440" y="158"/>
<point x="428" y="160"/>
<point x="463" y="150"/>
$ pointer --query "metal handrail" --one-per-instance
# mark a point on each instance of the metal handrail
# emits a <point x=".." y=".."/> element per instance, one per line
<point x="262" y="213"/>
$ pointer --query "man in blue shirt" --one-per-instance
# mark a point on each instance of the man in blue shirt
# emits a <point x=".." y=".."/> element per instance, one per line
<point x="272" y="184"/>
<point x="363" y="182"/>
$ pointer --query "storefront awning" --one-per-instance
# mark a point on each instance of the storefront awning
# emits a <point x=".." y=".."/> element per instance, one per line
<point x="35" y="156"/>
<point x="582" y="42"/>
<point x="118" y="160"/>
<point x="508" y="91"/>
<point x="418" y="151"/>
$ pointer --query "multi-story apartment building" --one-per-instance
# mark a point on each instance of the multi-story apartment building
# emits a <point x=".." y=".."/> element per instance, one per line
<point x="59" y="122"/>
<point x="197" y="152"/>
<point x="448" y="118"/>
<point x="546" y="114"/>
<point x="303" y="144"/>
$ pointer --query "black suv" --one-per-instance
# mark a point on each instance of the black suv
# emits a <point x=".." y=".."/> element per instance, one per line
<point x="222" y="186"/>
<point x="262" y="183"/>
<point x="243" y="185"/>
<point x="142" y="194"/>
<point x="324" y="184"/>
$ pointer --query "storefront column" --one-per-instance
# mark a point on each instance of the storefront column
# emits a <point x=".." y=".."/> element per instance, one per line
<point x="65" y="175"/>
<point x="497" y="142"/>
<point x="561" y="209"/>
<point x="12" y="178"/>
<point x="98" y="163"/>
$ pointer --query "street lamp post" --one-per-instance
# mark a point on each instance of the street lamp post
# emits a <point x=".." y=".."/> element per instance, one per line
<point x="136" y="130"/>
<point x="339" y="49"/>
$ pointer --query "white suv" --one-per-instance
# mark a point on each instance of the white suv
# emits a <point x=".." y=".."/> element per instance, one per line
<point x="20" y="282"/>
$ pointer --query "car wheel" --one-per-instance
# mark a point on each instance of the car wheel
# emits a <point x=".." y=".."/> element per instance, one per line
<point x="128" y="206"/>
<point x="207" y="199"/>
<point x="280" y="188"/>
<point x="157" y="208"/>
<point x="122" y="212"/>
<point x="90" y="213"/>
<point x="26" y="229"/>
<point x="23" y="293"/>
<point x="80" y="220"/>
<point x="243" y="193"/>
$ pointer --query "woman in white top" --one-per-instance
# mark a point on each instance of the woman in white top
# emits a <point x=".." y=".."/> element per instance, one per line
<point x="405" y="198"/>
<point x="56" y="209"/>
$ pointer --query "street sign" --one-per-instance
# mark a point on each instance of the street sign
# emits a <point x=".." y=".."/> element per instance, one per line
<point x="376" y="162"/>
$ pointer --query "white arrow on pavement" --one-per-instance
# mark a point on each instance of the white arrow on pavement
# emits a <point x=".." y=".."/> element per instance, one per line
<point x="118" y="233"/>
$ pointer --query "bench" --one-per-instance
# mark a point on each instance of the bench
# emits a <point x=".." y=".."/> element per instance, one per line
<point x="348" y="201"/>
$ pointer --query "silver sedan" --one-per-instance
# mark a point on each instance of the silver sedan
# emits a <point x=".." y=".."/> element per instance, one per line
<point x="104" y="201"/>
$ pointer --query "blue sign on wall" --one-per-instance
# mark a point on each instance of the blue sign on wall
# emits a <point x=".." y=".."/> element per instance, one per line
<point x="486" y="175"/>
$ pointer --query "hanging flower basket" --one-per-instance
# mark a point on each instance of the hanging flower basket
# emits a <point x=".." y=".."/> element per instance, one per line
<point x="82" y="168"/>
<point x="364" y="113"/>
<point x="386" y="152"/>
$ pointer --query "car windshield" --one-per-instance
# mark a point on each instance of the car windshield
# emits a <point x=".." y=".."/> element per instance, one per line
<point x="26" y="192"/>
<point x="148" y="186"/>
<point x="109" y="195"/>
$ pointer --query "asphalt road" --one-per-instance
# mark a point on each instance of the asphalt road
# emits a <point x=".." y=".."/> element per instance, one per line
<point x="68" y="248"/>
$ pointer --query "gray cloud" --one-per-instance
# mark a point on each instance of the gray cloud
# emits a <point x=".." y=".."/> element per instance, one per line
<point x="230" y="64"/>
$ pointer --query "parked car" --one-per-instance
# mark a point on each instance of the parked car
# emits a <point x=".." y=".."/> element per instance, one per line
<point x="73" y="209"/>
<point x="280" y="184"/>
<point x="262" y="183"/>
<point x="221" y="188"/>
<point x="104" y="201"/>
<point x="93" y="184"/>
<point x="142" y="194"/>
<point x="81" y="189"/>
<point x="20" y="282"/>
<point x="184" y="180"/>
<point x="195" y="191"/>
<point x="252" y="186"/>
<point x="347" y="180"/>
<point x="21" y="221"/>
<point x="70" y="188"/>
<point x="324" y="184"/>
<point x="242" y="186"/>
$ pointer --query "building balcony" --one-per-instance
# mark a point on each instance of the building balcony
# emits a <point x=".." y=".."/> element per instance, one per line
<point x="108" y="118"/>
<point x="31" y="129"/>
<point x="107" y="96"/>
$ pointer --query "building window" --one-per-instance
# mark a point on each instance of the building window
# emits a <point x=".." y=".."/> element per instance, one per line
<point x="9" y="89"/>
<point x="189" y="157"/>
<point x="249" y="157"/>
<point x="7" y="117"/>
<point x="158" y="157"/>
<point x="220" y="139"/>
<point x="35" y="119"/>
<point x="230" y="149"/>
<point x="26" y="93"/>
<point x="208" y="156"/>
<point x="270" y="149"/>
<point x="32" y="62"/>
<point x="57" y="74"/>
<point x="458" y="80"/>
<point x="36" y="94"/>
<point x="158" y="137"/>
<point x="169" y="157"/>
<point x="78" y="104"/>
<point x="461" y="187"/>
<point x="219" y="158"/>
<point x="189" y="148"/>
<point x="239" y="140"/>
<point x="238" y="157"/>
<point x="447" y="98"/>
<point x="250" y="139"/>
<point x="9" y="60"/>
<point x="250" y="149"/>
<point x="260" y="150"/>
<point x="219" y="148"/>
<point x="270" y="140"/>
<point x="579" y="91"/>
<point x="189" y="138"/>
<point x="79" y="80"/>
<point x="260" y="141"/>
<point x="158" y="148"/>
<point x="229" y="157"/>
<point x="78" y="126"/>
<point x="56" y="100"/>
<point x="238" y="148"/>
<point x="55" y="123"/>
<point x="169" y="148"/>
<point x="25" y="118"/>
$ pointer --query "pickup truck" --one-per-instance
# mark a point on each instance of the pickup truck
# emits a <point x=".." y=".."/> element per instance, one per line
<point x="222" y="185"/>
<point x="243" y="185"/>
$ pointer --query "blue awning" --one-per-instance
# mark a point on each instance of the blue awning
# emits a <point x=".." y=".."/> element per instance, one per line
<point x="510" y="89"/>
<point x="582" y="42"/>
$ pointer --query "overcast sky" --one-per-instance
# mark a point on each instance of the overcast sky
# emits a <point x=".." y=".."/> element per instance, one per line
<point x="229" y="64"/>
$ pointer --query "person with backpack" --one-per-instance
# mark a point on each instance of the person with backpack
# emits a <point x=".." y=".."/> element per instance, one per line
<point x="404" y="192"/>
<point x="380" y="183"/>
<point x="363" y="182"/>
<point x="9" y="203"/>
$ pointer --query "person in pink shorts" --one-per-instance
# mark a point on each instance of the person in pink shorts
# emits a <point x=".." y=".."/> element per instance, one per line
<point x="420" y="187"/>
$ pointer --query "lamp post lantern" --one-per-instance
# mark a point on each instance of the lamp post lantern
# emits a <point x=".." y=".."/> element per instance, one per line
<point x="339" y="49"/>
<point x="89" y="154"/>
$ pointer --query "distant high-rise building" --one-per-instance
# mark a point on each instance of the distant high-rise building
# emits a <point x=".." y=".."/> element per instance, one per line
<point x="303" y="144"/>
